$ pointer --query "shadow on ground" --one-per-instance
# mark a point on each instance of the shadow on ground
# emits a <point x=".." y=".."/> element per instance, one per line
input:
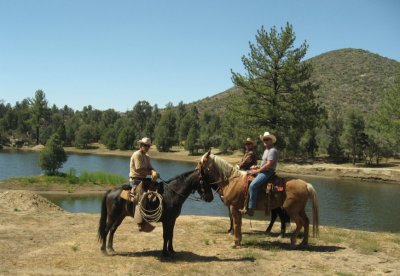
<point x="183" y="256"/>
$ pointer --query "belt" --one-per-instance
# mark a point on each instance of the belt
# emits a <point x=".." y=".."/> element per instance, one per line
<point x="138" y="178"/>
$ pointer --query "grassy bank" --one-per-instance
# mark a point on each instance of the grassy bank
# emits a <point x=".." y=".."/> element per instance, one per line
<point x="69" y="182"/>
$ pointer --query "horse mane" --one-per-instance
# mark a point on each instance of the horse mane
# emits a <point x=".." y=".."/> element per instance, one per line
<point x="226" y="170"/>
<point x="180" y="177"/>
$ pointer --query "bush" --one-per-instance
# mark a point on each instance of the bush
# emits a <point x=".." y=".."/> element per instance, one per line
<point x="53" y="156"/>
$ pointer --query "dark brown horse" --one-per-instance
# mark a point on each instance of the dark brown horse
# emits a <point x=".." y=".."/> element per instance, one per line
<point x="174" y="192"/>
<point x="230" y="182"/>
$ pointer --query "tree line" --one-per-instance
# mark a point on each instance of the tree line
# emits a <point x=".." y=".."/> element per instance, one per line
<point x="278" y="96"/>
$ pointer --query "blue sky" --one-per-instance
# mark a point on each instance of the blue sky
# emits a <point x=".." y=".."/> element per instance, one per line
<point x="112" y="54"/>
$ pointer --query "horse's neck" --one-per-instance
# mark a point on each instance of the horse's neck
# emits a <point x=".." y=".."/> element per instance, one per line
<point x="180" y="189"/>
<point x="226" y="170"/>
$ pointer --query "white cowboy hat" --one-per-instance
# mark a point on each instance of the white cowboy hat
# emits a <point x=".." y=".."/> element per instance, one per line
<point x="268" y="135"/>
<point x="145" y="141"/>
<point x="248" y="141"/>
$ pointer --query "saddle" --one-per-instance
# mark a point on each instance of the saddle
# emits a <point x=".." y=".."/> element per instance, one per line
<point x="141" y="187"/>
<point x="274" y="184"/>
<point x="132" y="200"/>
<point x="274" y="187"/>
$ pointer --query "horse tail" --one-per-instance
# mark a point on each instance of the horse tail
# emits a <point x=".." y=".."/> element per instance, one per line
<point x="101" y="234"/>
<point x="313" y="196"/>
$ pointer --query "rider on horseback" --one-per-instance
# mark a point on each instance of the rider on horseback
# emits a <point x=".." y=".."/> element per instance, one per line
<point x="140" y="167"/>
<point x="249" y="158"/>
<point x="266" y="170"/>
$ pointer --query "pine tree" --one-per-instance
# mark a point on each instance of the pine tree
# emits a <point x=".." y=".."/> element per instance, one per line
<point x="53" y="155"/>
<point x="39" y="112"/>
<point x="278" y="93"/>
<point x="354" y="138"/>
<point x="165" y="130"/>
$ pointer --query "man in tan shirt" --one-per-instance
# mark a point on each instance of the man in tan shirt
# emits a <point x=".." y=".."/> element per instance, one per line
<point x="140" y="165"/>
<point x="139" y="168"/>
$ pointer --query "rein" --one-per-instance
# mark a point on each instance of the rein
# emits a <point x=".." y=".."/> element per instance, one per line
<point x="219" y="190"/>
<point x="179" y="194"/>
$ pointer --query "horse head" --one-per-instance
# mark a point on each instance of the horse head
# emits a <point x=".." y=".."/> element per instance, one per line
<point x="204" y="188"/>
<point x="206" y="166"/>
<point x="216" y="168"/>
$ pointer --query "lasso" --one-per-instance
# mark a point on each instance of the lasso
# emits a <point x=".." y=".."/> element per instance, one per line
<point x="151" y="215"/>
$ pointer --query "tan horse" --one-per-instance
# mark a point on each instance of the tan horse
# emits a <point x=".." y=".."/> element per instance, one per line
<point x="230" y="181"/>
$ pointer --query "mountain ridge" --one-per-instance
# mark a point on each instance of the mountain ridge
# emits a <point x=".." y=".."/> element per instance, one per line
<point x="347" y="78"/>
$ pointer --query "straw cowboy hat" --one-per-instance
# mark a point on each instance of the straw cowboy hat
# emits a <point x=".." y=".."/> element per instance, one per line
<point x="268" y="135"/>
<point x="248" y="141"/>
<point x="145" y="141"/>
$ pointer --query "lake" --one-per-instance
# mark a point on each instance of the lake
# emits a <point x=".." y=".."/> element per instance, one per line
<point x="350" y="204"/>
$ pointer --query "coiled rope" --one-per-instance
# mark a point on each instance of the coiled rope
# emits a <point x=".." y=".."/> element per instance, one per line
<point x="153" y="215"/>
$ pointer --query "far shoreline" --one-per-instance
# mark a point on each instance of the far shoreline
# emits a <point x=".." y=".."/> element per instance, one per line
<point x="325" y="170"/>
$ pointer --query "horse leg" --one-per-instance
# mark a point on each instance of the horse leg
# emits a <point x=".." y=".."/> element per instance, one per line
<point x="282" y="217"/>
<point x="170" y="245"/>
<point x="299" y="223"/>
<point x="306" y="222"/>
<point x="237" y="225"/>
<point x="168" y="233"/>
<point x="273" y="218"/>
<point x="112" y="231"/>
<point x="230" y="230"/>
<point x="103" y="241"/>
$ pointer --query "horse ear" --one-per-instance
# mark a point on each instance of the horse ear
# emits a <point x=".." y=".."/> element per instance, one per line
<point x="208" y="153"/>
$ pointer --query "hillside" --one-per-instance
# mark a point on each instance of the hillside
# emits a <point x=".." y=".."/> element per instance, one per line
<point x="352" y="77"/>
<point x="346" y="78"/>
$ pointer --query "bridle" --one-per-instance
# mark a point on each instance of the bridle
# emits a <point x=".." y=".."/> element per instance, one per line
<point x="202" y="189"/>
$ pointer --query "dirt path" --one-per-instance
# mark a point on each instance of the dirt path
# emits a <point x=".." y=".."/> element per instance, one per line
<point x="38" y="238"/>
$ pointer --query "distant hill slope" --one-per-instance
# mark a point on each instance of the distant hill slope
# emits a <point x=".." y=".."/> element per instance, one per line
<point x="347" y="78"/>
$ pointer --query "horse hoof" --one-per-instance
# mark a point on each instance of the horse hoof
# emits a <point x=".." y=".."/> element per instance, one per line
<point x="166" y="254"/>
<point x="236" y="245"/>
<point x="303" y="245"/>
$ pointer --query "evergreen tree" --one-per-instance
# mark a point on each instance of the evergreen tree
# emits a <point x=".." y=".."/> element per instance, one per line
<point x="109" y="138"/>
<point x="335" y="149"/>
<point x="278" y="94"/>
<point x="83" y="136"/>
<point x="165" y="130"/>
<point x="191" y="119"/>
<point x="191" y="144"/>
<point x="53" y="155"/>
<point x="126" y="138"/>
<point x="152" y="122"/>
<point x="353" y="137"/>
<point x="39" y="112"/>
<point x="180" y="114"/>
<point x="388" y="116"/>
<point x="139" y="118"/>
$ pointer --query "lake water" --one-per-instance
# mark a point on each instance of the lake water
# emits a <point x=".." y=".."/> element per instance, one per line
<point x="371" y="206"/>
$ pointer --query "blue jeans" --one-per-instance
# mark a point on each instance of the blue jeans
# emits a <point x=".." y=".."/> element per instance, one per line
<point x="260" y="179"/>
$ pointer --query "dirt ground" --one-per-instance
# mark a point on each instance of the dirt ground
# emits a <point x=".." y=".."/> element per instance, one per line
<point x="39" y="238"/>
